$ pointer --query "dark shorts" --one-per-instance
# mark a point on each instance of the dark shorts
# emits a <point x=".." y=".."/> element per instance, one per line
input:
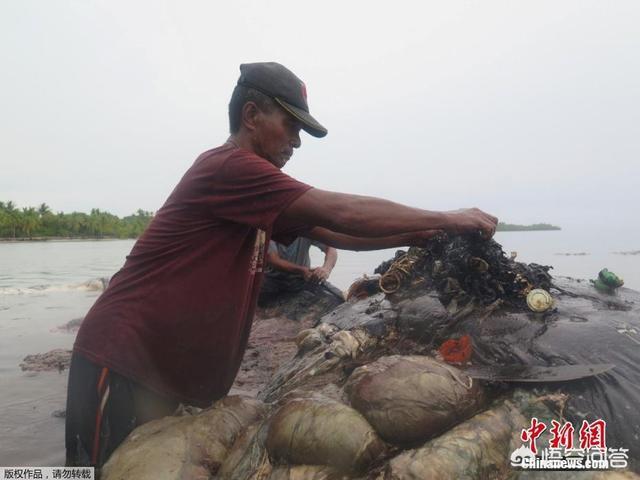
<point x="276" y="286"/>
<point x="103" y="407"/>
<point x="282" y="287"/>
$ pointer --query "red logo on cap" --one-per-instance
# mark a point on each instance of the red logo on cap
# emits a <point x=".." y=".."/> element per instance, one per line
<point x="303" y="87"/>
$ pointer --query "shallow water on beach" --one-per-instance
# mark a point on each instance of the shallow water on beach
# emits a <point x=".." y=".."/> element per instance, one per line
<point x="44" y="285"/>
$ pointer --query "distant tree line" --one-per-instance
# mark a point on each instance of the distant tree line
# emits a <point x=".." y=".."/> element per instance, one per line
<point x="510" y="227"/>
<point x="41" y="222"/>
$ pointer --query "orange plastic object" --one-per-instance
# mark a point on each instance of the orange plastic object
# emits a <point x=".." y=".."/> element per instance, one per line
<point x="456" y="350"/>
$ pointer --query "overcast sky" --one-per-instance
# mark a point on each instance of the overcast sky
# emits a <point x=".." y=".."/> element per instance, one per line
<point x="529" y="110"/>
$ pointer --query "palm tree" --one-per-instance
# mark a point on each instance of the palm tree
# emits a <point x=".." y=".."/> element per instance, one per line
<point x="14" y="216"/>
<point x="47" y="220"/>
<point x="30" y="221"/>
<point x="94" y="222"/>
<point x="43" y="210"/>
<point x="4" y="218"/>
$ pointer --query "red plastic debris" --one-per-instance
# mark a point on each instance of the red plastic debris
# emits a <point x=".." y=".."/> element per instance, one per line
<point x="456" y="351"/>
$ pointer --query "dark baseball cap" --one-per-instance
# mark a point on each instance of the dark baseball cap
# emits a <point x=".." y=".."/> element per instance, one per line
<point x="279" y="83"/>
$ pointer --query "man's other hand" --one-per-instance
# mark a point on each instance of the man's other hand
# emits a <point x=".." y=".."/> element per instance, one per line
<point x="421" y="238"/>
<point x="320" y="274"/>
<point x="307" y="274"/>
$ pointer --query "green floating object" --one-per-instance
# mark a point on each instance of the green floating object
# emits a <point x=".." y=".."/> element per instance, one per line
<point x="607" y="281"/>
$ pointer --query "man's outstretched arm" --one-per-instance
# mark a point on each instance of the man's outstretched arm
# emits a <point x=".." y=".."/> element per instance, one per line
<point x="361" y="216"/>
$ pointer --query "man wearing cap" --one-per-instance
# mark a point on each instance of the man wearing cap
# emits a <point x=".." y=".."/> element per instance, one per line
<point x="174" y="321"/>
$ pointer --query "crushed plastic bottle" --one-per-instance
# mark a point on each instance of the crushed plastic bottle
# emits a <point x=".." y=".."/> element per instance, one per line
<point x="607" y="281"/>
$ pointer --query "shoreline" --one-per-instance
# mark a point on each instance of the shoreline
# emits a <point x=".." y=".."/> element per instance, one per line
<point x="58" y="239"/>
<point x="498" y="230"/>
<point x="524" y="228"/>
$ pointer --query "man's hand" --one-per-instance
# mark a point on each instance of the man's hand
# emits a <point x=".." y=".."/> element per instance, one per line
<point x="320" y="274"/>
<point x="307" y="274"/>
<point x="469" y="220"/>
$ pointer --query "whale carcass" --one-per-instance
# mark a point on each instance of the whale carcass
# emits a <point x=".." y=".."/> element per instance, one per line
<point x="370" y="394"/>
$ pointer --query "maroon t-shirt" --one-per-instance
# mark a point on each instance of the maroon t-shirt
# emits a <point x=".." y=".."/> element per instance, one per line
<point x="176" y="317"/>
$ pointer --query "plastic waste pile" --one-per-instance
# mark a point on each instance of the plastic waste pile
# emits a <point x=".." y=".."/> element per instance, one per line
<point x="465" y="271"/>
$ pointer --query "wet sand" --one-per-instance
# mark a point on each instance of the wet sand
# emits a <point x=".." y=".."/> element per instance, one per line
<point x="272" y="342"/>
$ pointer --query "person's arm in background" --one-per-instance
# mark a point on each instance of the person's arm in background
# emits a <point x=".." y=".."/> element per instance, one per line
<point x="320" y="274"/>
<point x="349" y="242"/>
<point x="279" y="263"/>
